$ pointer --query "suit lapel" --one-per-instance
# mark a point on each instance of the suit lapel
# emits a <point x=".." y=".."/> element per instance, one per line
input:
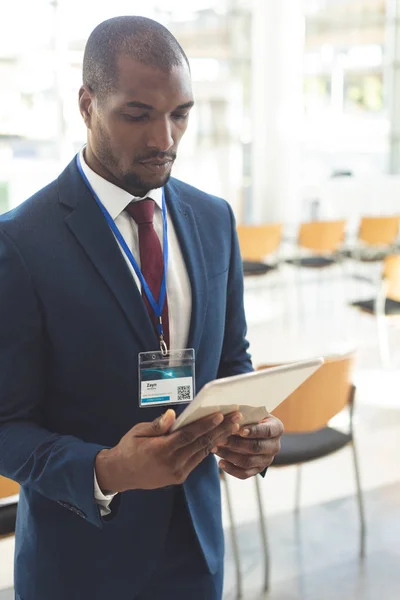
<point x="91" y="230"/>
<point x="187" y="232"/>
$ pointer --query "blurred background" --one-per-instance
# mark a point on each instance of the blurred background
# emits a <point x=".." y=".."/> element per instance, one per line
<point x="288" y="93"/>
<point x="297" y="125"/>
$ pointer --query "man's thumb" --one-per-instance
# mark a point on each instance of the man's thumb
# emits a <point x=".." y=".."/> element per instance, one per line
<point x="164" y="423"/>
<point x="159" y="426"/>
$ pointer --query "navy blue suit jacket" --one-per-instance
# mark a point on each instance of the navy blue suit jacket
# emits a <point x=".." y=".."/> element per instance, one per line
<point x="72" y="322"/>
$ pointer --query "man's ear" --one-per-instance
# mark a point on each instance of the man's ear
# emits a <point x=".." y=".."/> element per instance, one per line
<point x="86" y="100"/>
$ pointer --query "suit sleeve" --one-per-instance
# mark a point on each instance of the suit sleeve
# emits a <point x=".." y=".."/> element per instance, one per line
<point x="59" y="467"/>
<point x="235" y="358"/>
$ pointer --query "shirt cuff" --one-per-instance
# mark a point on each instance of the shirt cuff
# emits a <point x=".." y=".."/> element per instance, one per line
<point x="103" y="500"/>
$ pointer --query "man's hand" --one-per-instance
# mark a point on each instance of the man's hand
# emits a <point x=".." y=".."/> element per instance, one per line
<point x="252" y="449"/>
<point x="148" y="457"/>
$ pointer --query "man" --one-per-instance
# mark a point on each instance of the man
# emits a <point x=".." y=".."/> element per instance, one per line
<point x="112" y="504"/>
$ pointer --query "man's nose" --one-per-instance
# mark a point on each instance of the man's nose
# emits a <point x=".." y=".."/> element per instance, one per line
<point x="160" y="135"/>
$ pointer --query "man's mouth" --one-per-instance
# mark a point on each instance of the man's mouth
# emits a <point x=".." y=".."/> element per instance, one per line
<point x="157" y="165"/>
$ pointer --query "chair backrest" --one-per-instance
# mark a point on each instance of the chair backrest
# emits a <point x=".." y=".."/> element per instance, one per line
<point x="8" y="487"/>
<point x="257" y="241"/>
<point x="379" y="231"/>
<point x="319" y="398"/>
<point x="322" y="236"/>
<point x="391" y="274"/>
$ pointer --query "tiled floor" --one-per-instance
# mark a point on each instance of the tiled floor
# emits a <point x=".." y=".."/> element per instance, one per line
<point x="321" y="563"/>
<point x="292" y="317"/>
<point x="315" y="557"/>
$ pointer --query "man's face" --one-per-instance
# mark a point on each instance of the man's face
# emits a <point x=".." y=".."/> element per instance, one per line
<point x="134" y="132"/>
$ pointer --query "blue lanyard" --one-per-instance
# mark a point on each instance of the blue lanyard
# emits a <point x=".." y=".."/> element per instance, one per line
<point x="156" y="306"/>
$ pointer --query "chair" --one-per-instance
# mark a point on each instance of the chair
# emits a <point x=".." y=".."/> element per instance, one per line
<point x="8" y="506"/>
<point x="305" y="415"/>
<point x="385" y="304"/>
<point x="322" y="240"/>
<point x="256" y="243"/>
<point x="318" y="244"/>
<point x="377" y="236"/>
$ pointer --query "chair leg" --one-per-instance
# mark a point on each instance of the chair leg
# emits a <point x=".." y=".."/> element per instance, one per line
<point x="298" y="489"/>
<point x="343" y="267"/>
<point x="383" y="341"/>
<point x="264" y="536"/>
<point x="299" y="292"/>
<point x="234" y="539"/>
<point x="360" y="501"/>
<point x="382" y="326"/>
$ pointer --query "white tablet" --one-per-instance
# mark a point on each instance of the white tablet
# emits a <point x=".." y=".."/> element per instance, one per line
<point x="254" y="394"/>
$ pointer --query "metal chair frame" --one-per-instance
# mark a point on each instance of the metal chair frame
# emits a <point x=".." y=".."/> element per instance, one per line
<point x="261" y="512"/>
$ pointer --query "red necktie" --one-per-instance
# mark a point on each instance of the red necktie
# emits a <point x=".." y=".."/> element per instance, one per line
<point x="151" y="258"/>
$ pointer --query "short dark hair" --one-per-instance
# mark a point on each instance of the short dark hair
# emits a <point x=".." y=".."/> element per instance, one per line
<point x="143" y="39"/>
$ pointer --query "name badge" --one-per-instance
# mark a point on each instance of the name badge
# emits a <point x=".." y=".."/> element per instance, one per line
<point x="166" y="378"/>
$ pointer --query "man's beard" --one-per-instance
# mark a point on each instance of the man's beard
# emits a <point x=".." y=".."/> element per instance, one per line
<point x="130" y="181"/>
<point x="134" y="182"/>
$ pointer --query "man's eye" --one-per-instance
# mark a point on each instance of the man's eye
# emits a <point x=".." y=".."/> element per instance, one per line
<point x="134" y="118"/>
<point x="180" y="116"/>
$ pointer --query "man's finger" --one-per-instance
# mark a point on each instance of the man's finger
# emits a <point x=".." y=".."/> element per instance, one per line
<point x="190" y="457"/>
<point x="240" y="445"/>
<point x="206" y="442"/>
<point x="271" y="427"/>
<point x="155" y="428"/>
<point x="237" y="471"/>
<point x="203" y="430"/>
<point x="245" y="461"/>
<point x="194" y="460"/>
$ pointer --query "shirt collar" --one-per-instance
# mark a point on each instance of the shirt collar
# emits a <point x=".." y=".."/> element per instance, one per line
<point x="114" y="198"/>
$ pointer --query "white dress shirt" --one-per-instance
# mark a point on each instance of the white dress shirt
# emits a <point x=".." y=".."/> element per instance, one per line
<point x="179" y="293"/>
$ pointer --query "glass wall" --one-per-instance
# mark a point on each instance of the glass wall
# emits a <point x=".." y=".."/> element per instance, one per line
<point x="345" y="119"/>
<point x="40" y="67"/>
